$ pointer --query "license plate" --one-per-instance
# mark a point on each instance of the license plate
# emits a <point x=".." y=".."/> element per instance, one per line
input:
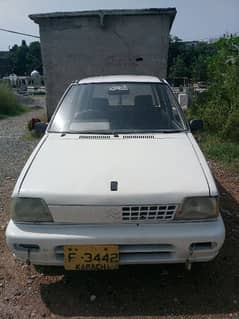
<point x="99" y="257"/>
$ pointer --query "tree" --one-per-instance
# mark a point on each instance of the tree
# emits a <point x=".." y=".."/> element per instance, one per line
<point x="219" y="106"/>
<point x="24" y="59"/>
<point x="179" y="68"/>
<point x="189" y="59"/>
<point x="199" y="69"/>
<point x="34" y="60"/>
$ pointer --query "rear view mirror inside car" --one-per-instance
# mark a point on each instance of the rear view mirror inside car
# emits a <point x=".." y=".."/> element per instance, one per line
<point x="118" y="89"/>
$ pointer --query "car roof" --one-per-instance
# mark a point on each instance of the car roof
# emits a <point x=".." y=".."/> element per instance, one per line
<point x="120" y="78"/>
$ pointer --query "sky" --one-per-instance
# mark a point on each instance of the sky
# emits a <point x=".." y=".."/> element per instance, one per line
<point x="195" y="20"/>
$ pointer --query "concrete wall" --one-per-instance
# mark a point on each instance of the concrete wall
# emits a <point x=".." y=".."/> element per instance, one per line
<point x="78" y="45"/>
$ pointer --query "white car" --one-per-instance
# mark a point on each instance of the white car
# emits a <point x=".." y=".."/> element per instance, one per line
<point x="118" y="178"/>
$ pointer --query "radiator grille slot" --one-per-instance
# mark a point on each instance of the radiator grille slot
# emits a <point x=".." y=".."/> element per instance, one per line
<point x="148" y="213"/>
<point x="95" y="137"/>
<point x="138" y="136"/>
<point x="148" y="254"/>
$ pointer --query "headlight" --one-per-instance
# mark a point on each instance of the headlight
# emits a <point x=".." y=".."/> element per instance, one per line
<point x="30" y="210"/>
<point x="198" y="208"/>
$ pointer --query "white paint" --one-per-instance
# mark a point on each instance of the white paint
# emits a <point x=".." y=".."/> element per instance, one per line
<point x="120" y="78"/>
<point x="68" y="170"/>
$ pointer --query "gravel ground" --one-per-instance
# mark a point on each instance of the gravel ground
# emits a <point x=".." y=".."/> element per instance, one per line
<point x="210" y="290"/>
<point x="16" y="143"/>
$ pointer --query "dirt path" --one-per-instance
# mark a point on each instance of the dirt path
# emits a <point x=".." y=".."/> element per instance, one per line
<point x="208" y="291"/>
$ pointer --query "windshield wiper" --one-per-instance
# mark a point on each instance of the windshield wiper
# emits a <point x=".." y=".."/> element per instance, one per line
<point x="117" y="132"/>
<point x="171" y="131"/>
<point x="87" y="132"/>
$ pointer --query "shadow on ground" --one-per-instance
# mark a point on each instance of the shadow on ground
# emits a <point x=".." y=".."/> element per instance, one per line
<point x="156" y="290"/>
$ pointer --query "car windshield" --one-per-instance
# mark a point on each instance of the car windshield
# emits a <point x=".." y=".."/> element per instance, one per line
<point x="118" y="107"/>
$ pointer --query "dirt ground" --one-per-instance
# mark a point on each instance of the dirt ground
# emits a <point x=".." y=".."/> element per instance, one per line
<point x="209" y="290"/>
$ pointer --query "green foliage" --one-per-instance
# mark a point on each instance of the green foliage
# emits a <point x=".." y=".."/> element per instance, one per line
<point x="8" y="103"/>
<point x="24" y="59"/>
<point x="179" y="68"/>
<point x="224" y="152"/>
<point x="219" y="106"/>
<point x="189" y="59"/>
<point x="231" y="127"/>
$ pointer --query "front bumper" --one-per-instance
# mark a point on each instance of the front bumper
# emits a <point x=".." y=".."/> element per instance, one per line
<point x="177" y="242"/>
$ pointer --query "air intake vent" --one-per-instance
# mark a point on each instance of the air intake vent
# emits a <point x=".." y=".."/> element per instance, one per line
<point x="94" y="137"/>
<point x="138" y="136"/>
<point x="152" y="213"/>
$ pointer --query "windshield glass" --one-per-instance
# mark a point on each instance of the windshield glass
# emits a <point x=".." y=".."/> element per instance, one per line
<point x="118" y="107"/>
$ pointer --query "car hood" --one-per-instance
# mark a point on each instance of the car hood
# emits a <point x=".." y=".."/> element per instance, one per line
<point x="78" y="170"/>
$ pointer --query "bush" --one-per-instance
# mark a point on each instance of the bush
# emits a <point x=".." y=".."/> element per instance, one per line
<point x="220" y="112"/>
<point x="231" y="127"/>
<point x="8" y="102"/>
<point x="224" y="152"/>
<point x="219" y="106"/>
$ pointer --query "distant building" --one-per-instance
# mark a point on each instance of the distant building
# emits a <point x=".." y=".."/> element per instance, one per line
<point x="190" y="43"/>
<point x="89" y="43"/>
<point x="5" y="66"/>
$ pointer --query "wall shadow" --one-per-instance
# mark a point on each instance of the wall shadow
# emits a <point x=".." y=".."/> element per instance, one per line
<point x="156" y="290"/>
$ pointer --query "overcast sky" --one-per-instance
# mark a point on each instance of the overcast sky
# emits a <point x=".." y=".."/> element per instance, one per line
<point x="195" y="20"/>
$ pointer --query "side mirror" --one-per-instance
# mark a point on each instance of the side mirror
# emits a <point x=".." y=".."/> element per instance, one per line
<point x="196" y="125"/>
<point x="40" y="128"/>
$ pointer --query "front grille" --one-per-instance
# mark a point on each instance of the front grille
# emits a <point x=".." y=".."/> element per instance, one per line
<point x="148" y="213"/>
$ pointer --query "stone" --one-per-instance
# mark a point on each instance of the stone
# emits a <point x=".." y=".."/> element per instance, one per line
<point x="92" y="298"/>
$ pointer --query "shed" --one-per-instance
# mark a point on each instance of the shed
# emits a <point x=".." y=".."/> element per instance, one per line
<point x="105" y="42"/>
